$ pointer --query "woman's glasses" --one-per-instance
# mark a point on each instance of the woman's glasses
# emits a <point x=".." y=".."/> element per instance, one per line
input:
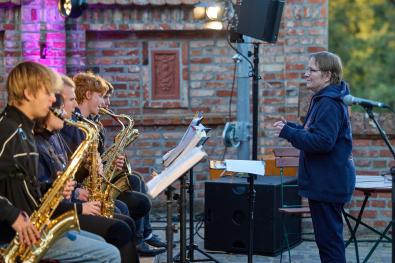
<point x="310" y="70"/>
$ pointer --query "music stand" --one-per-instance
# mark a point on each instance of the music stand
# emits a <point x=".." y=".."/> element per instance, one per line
<point x="181" y="257"/>
<point x="169" y="222"/>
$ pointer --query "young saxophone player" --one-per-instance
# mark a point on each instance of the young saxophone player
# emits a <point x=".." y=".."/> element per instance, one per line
<point x="30" y="87"/>
<point x="89" y="95"/>
<point x="143" y="225"/>
<point x="52" y="159"/>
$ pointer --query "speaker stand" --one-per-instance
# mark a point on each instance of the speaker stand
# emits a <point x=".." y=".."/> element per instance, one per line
<point x="192" y="246"/>
<point x="251" y="204"/>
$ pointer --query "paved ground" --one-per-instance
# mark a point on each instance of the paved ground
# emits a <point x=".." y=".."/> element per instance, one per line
<point x="306" y="252"/>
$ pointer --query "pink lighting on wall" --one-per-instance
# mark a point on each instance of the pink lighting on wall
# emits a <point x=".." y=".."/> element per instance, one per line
<point x="43" y="50"/>
<point x="43" y="34"/>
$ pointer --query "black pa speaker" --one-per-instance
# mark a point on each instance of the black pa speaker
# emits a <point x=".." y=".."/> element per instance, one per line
<point x="226" y="215"/>
<point x="259" y="19"/>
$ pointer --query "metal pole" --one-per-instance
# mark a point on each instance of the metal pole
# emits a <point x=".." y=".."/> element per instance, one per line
<point x="243" y="101"/>
<point x="183" y="220"/>
<point x="255" y="98"/>
<point x="191" y="255"/>
<point x="169" y="226"/>
<point x="251" y="204"/>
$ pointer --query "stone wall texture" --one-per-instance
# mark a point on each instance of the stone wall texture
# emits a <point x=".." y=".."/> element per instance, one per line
<point x="165" y="67"/>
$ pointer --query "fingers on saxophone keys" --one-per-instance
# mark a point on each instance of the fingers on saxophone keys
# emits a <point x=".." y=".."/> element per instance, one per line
<point x="32" y="236"/>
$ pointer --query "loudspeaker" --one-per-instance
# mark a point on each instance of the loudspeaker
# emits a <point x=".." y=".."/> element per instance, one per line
<point x="259" y="19"/>
<point x="226" y="215"/>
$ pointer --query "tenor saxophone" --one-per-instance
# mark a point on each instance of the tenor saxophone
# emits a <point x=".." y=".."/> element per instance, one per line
<point x="51" y="229"/>
<point x="118" y="178"/>
<point x="95" y="182"/>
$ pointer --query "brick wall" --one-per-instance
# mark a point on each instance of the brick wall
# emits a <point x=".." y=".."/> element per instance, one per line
<point x="128" y="44"/>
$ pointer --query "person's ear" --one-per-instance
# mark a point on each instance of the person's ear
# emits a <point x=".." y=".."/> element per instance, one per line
<point x="28" y="94"/>
<point x="88" y="94"/>
<point x="327" y="76"/>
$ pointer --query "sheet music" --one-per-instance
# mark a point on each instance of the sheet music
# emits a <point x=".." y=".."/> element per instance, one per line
<point x="368" y="181"/>
<point x="176" y="169"/>
<point x="195" y="135"/>
<point x="245" y="166"/>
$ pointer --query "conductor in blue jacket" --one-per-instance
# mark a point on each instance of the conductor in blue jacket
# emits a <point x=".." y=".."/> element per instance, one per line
<point x="326" y="175"/>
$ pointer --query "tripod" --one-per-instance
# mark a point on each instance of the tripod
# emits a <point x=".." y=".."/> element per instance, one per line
<point x="181" y="257"/>
<point x="392" y="171"/>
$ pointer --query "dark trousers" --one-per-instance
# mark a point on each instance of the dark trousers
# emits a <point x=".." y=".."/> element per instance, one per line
<point x="118" y="231"/>
<point x="138" y="204"/>
<point x="143" y="225"/>
<point x="328" y="230"/>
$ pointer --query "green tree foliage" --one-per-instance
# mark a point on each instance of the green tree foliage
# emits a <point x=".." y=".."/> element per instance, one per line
<point x="362" y="33"/>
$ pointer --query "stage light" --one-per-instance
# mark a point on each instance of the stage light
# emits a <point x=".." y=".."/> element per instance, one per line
<point x="199" y="12"/>
<point x="72" y="8"/>
<point x="215" y="25"/>
<point x="214" y="12"/>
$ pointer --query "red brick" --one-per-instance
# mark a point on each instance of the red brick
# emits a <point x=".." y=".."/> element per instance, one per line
<point x="378" y="203"/>
<point x="380" y="224"/>
<point x="201" y="60"/>
<point x="369" y="214"/>
<point x="315" y="49"/>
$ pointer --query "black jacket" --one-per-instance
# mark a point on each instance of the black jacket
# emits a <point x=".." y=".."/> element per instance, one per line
<point x="18" y="166"/>
<point x="52" y="159"/>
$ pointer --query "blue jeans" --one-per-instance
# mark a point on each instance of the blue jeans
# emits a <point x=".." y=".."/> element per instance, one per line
<point x="82" y="247"/>
<point x="121" y="208"/>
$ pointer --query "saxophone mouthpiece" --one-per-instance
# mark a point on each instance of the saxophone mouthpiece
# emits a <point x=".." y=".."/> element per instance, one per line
<point x="106" y="111"/>
<point x="78" y="116"/>
<point x="57" y="112"/>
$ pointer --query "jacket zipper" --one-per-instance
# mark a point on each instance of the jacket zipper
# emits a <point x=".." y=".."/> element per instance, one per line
<point x="29" y="194"/>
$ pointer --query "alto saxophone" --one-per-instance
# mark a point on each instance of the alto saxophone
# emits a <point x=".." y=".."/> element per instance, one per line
<point x="51" y="229"/>
<point x="118" y="178"/>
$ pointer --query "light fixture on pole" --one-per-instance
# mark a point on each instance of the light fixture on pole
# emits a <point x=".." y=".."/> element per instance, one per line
<point x="72" y="8"/>
<point x="215" y="13"/>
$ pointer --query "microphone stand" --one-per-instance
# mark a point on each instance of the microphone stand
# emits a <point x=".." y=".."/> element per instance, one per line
<point x="387" y="142"/>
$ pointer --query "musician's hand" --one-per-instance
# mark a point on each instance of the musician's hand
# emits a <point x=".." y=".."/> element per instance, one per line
<point x="68" y="189"/>
<point x="279" y="125"/>
<point x="119" y="162"/>
<point x="99" y="166"/>
<point x="82" y="194"/>
<point x="28" y="233"/>
<point x="91" y="208"/>
<point x="100" y="169"/>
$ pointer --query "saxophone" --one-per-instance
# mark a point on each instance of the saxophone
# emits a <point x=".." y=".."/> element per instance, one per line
<point x="118" y="178"/>
<point x="51" y="229"/>
<point x="95" y="183"/>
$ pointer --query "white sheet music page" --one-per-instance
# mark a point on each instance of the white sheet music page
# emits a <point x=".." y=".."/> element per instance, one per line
<point x="176" y="169"/>
<point x="195" y="135"/>
<point x="245" y="166"/>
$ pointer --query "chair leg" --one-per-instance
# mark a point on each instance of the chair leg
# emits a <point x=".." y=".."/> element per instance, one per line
<point x="285" y="238"/>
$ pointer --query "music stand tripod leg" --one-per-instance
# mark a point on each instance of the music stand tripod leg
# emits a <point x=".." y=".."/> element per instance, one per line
<point x="169" y="223"/>
<point x="183" y="219"/>
<point x="192" y="246"/>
